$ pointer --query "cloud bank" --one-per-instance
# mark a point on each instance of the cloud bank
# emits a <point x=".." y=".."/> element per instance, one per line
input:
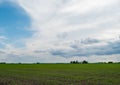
<point x="64" y="30"/>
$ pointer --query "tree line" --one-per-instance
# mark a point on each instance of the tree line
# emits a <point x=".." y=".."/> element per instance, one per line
<point x="77" y="62"/>
<point x="86" y="62"/>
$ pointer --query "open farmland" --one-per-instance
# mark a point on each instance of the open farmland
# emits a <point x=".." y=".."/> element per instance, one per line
<point x="59" y="74"/>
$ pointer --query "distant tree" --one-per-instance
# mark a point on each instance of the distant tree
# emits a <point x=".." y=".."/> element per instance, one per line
<point x="101" y="62"/>
<point x="2" y="62"/>
<point x="71" y="61"/>
<point x="38" y="63"/>
<point x="110" y="62"/>
<point x="74" y="62"/>
<point x="19" y="63"/>
<point x="84" y="62"/>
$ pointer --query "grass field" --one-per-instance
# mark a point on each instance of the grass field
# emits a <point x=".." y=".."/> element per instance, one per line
<point x="59" y="74"/>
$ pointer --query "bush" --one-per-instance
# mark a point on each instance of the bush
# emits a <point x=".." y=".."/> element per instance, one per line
<point x="110" y="62"/>
<point x="38" y="63"/>
<point x="2" y="62"/>
<point x="77" y="62"/>
<point x="74" y="62"/>
<point x="84" y="62"/>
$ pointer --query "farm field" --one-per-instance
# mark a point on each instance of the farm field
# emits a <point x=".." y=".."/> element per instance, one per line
<point x="59" y="74"/>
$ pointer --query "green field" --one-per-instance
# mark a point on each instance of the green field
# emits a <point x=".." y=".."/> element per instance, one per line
<point x="59" y="74"/>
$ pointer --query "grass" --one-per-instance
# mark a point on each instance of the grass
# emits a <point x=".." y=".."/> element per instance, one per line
<point x="59" y="74"/>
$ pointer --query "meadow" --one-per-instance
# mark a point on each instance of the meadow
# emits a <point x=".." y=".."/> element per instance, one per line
<point x="59" y="74"/>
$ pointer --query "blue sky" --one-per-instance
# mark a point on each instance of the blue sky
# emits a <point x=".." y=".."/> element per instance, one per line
<point x="13" y="21"/>
<point x="59" y="30"/>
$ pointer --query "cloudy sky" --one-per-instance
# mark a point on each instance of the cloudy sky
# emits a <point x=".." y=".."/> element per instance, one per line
<point x="50" y="31"/>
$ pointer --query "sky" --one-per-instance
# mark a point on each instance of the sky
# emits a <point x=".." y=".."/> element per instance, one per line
<point x="59" y="31"/>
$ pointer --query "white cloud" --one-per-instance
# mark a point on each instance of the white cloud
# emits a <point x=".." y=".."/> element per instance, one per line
<point x="3" y="38"/>
<point x="85" y="6"/>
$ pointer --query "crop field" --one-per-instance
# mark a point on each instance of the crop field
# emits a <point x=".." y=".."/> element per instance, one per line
<point x="59" y="74"/>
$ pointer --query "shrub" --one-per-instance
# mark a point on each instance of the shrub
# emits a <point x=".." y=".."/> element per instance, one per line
<point x="110" y="62"/>
<point x="2" y="62"/>
<point x="84" y="62"/>
<point x="74" y="62"/>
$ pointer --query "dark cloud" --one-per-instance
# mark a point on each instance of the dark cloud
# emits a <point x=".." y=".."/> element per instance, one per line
<point x="90" y="41"/>
<point x="62" y="35"/>
<point x="111" y="47"/>
<point x="2" y="52"/>
<point x="58" y="52"/>
<point x="39" y="51"/>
